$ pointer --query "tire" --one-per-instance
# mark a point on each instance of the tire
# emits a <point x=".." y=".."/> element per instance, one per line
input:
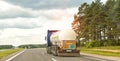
<point x="49" y="50"/>
<point x="55" y="51"/>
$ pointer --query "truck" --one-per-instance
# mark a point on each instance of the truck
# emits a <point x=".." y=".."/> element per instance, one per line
<point x="62" y="43"/>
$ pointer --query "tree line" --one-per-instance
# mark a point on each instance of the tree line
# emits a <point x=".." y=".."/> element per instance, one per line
<point x="98" y="24"/>
<point x="23" y="46"/>
<point x="6" y="46"/>
<point x="32" y="46"/>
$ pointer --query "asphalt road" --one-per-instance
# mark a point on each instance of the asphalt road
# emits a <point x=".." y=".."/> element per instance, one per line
<point x="41" y="55"/>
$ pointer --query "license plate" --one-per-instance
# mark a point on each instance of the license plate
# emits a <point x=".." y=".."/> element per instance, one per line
<point x="68" y="50"/>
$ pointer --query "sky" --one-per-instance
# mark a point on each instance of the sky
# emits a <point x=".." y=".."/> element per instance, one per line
<point x="27" y="21"/>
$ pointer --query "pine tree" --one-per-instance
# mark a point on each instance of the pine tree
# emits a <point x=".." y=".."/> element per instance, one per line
<point x="116" y="19"/>
<point x="97" y="21"/>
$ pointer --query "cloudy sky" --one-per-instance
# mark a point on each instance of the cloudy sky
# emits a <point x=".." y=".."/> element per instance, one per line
<point x="26" y="21"/>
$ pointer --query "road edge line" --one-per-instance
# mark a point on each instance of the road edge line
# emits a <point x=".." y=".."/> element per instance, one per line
<point x="54" y="59"/>
<point x="15" y="55"/>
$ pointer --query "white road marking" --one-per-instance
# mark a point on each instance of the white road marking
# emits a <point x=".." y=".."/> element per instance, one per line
<point x="54" y="59"/>
<point x="15" y="55"/>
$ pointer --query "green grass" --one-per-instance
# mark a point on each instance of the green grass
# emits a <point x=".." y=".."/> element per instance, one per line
<point x="8" y="52"/>
<point x="100" y="52"/>
<point x="109" y="47"/>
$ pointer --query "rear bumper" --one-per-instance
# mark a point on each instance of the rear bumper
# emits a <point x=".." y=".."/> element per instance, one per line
<point x="72" y="53"/>
<point x="68" y="54"/>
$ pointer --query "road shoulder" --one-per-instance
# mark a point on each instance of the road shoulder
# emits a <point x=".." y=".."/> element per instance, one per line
<point x="100" y="56"/>
<point x="9" y="56"/>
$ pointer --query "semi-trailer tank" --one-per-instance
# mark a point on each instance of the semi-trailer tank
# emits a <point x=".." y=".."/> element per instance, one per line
<point x="62" y="43"/>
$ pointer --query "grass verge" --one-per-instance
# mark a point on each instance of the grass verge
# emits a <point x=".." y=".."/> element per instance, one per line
<point x="102" y="52"/>
<point x="109" y="47"/>
<point x="8" y="52"/>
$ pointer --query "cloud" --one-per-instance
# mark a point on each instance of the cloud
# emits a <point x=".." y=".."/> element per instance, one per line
<point x="26" y="22"/>
<point x="48" y="4"/>
<point x="42" y="18"/>
<point x="57" y="14"/>
<point x="22" y="23"/>
<point x="22" y="36"/>
<point x="11" y="11"/>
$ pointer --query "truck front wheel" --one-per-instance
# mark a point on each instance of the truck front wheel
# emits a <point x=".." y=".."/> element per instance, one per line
<point x="49" y="50"/>
<point x="55" y="48"/>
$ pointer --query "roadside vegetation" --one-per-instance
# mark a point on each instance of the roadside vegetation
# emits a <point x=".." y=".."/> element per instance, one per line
<point x="33" y="46"/>
<point x="98" y="27"/>
<point x="6" y="46"/>
<point x="109" y="48"/>
<point x="6" y="52"/>
<point x="98" y="23"/>
<point x="100" y="48"/>
<point x="106" y="51"/>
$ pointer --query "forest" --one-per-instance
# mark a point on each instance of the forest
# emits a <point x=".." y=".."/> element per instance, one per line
<point x="98" y="24"/>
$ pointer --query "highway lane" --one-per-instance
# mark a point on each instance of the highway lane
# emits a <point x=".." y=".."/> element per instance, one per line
<point x="41" y="55"/>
